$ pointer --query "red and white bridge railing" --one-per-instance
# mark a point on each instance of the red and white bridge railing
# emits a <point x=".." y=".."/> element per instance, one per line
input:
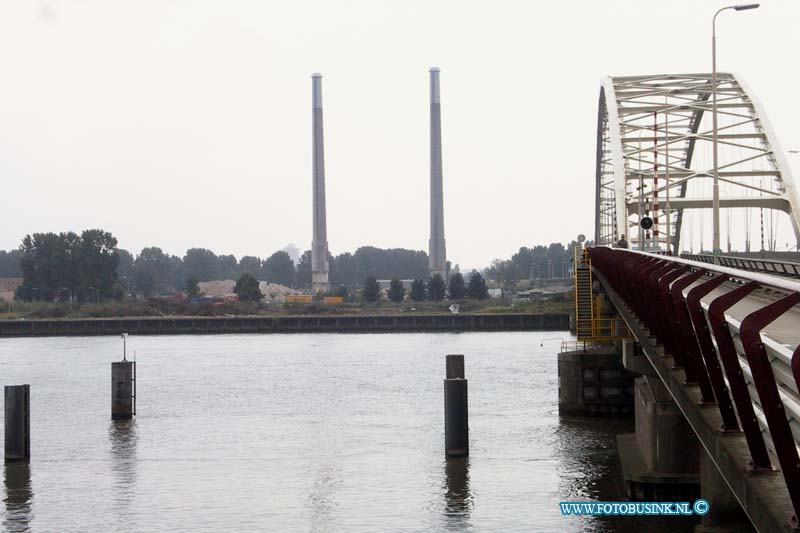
<point x="734" y="333"/>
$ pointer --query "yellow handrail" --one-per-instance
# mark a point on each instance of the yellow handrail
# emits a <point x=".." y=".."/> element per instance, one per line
<point x="601" y="329"/>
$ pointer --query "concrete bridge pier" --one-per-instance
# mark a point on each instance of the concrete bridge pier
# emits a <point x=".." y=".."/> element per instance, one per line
<point x="661" y="460"/>
<point x="724" y="512"/>
<point x="593" y="382"/>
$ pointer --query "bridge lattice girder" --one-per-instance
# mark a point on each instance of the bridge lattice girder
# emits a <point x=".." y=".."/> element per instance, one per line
<point x="651" y="128"/>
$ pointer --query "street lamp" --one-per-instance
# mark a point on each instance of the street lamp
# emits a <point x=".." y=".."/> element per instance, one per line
<point x="715" y="203"/>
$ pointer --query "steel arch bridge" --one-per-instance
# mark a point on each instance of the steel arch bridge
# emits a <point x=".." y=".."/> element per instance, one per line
<point x="652" y="149"/>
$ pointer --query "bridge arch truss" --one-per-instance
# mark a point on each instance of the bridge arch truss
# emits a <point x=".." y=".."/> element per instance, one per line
<point x="651" y="131"/>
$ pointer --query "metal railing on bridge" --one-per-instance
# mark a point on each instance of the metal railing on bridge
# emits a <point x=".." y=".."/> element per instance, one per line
<point x="711" y="320"/>
<point x="789" y="269"/>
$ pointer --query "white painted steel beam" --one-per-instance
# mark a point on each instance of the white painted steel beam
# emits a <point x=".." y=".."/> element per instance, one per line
<point x="631" y="141"/>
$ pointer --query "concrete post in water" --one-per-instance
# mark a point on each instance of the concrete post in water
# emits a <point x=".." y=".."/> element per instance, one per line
<point x="455" y="366"/>
<point x="122" y="390"/>
<point x="456" y="419"/>
<point x="18" y="422"/>
<point x="123" y="376"/>
<point x="437" y="260"/>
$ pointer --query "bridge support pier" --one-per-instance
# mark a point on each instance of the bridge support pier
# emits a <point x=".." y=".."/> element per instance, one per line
<point x="724" y="512"/>
<point x="660" y="462"/>
<point x="593" y="382"/>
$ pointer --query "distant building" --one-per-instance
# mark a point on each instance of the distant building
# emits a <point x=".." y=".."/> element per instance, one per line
<point x="496" y="293"/>
<point x="386" y="283"/>
<point x="293" y="251"/>
<point x="8" y="287"/>
<point x="542" y="294"/>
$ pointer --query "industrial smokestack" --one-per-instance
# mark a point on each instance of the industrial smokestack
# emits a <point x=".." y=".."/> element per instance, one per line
<point x="319" y="242"/>
<point x="436" y="248"/>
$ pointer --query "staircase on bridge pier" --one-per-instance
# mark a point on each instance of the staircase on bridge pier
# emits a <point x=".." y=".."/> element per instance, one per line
<point x="584" y="298"/>
<point x="592" y="379"/>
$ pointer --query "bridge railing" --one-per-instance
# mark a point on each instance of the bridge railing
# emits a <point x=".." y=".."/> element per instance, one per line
<point x="734" y="333"/>
<point x="788" y="269"/>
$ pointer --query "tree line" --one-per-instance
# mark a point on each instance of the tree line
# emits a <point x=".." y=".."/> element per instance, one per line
<point x="89" y="266"/>
<point x="538" y="262"/>
<point x="69" y="266"/>
<point x="435" y="289"/>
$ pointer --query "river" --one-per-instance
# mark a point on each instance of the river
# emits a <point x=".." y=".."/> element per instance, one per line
<point x="299" y="432"/>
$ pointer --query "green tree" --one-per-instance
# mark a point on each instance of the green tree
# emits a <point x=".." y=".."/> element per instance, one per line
<point x="436" y="288"/>
<point x="51" y="263"/>
<point x="351" y="268"/>
<point x="152" y="272"/>
<point x="125" y="265"/>
<point x="502" y="271"/>
<point x="279" y="268"/>
<point x="177" y="270"/>
<point x="477" y="287"/>
<point x="9" y="264"/>
<point x="418" y="290"/>
<point x="96" y="263"/>
<point x="456" y="289"/>
<point x="371" y="289"/>
<point x="303" y="272"/>
<point x="228" y="267"/>
<point x="202" y="263"/>
<point x="118" y="292"/>
<point x="192" y="287"/>
<point x="253" y="265"/>
<point x="396" y="291"/>
<point x="247" y="288"/>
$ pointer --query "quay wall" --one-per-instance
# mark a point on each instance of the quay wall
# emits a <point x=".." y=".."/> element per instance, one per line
<point x="283" y="324"/>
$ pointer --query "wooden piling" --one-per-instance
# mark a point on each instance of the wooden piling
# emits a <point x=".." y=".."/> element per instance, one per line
<point x="456" y="419"/>
<point x="18" y="422"/>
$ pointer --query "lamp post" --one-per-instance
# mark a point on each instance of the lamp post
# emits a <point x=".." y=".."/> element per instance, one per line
<point x="715" y="203"/>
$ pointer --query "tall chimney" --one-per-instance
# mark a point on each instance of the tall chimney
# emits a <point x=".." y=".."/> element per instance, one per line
<point x="319" y="242"/>
<point x="436" y="248"/>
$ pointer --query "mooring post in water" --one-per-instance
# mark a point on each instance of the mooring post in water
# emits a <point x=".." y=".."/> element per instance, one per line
<point x="123" y="374"/>
<point x="456" y="420"/>
<point x="18" y="422"/>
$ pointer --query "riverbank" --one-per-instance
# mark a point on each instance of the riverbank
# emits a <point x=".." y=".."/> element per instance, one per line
<point x="284" y="324"/>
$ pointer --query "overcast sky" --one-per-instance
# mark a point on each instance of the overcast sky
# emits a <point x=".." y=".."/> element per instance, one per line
<point x="188" y="123"/>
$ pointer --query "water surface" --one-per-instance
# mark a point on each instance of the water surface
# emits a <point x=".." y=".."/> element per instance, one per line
<point x="304" y="433"/>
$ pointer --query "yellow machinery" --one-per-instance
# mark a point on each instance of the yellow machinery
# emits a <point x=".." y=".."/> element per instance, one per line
<point x="299" y="298"/>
